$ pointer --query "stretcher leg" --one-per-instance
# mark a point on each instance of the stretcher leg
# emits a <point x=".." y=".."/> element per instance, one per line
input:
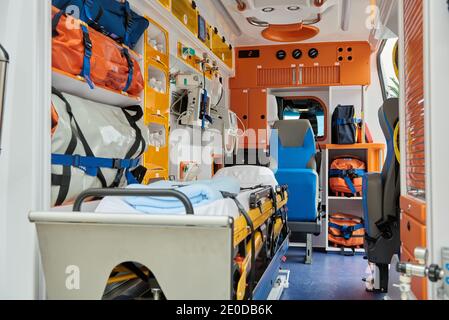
<point x="309" y="249"/>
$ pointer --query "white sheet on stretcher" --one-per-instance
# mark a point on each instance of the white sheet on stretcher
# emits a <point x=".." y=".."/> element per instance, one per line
<point x="223" y="207"/>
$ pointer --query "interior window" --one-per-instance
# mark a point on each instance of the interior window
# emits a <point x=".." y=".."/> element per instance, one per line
<point x="306" y="108"/>
<point x="388" y="68"/>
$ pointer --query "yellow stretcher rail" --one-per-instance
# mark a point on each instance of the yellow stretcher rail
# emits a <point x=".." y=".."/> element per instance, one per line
<point x="258" y="216"/>
<point x="245" y="265"/>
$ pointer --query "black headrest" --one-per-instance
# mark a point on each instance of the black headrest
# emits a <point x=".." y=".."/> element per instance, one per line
<point x="389" y="117"/>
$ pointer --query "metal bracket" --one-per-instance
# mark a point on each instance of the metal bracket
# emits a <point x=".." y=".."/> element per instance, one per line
<point x="282" y="282"/>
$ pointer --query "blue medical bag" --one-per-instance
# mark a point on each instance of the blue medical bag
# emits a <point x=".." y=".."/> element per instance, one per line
<point x="114" y="19"/>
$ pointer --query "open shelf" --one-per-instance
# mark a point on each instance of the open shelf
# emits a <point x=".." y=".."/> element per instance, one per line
<point x="156" y="44"/>
<point x="157" y="80"/>
<point x="77" y="86"/>
<point x="346" y="250"/>
<point x="345" y="198"/>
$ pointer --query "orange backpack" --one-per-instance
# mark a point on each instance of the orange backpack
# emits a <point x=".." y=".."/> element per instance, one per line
<point x="346" y="230"/>
<point x="79" y="50"/>
<point x="346" y="176"/>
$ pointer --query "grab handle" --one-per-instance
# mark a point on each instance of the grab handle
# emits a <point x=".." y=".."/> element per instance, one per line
<point x="101" y="193"/>
<point x="4" y="60"/>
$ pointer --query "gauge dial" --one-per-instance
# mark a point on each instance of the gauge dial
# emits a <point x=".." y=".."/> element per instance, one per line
<point x="281" y="55"/>
<point x="313" y="53"/>
<point x="297" y="54"/>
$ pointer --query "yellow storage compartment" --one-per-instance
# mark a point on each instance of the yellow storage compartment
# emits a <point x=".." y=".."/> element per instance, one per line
<point x="221" y="49"/>
<point x="186" y="12"/>
<point x="156" y="158"/>
<point x="156" y="174"/>
<point x="166" y="3"/>
<point x="191" y="60"/>
<point x="156" y="44"/>
<point x="156" y="90"/>
<point x="157" y="100"/>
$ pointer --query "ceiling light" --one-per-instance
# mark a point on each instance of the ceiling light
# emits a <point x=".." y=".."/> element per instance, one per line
<point x="293" y="8"/>
<point x="268" y="9"/>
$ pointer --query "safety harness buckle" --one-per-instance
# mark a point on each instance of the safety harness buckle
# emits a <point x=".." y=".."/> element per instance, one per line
<point x="116" y="164"/>
<point x="87" y="46"/>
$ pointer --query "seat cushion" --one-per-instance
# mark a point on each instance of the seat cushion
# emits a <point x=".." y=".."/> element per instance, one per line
<point x="303" y="193"/>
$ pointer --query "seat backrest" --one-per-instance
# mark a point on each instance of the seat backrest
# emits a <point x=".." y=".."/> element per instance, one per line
<point x="295" y="141"/>
<point x="389" y="118"/>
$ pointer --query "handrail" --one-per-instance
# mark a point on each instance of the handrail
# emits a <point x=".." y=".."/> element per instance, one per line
<point x="4" y="60"/>
<point x="165" y="193"/>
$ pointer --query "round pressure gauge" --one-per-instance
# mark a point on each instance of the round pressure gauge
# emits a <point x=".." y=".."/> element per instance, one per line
<point x="297" y="54"/>
<point x="281" y="55"/>
<point x="313" y="53"/>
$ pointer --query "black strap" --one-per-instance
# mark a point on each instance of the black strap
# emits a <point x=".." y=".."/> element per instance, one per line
<point x="139" y="142"/>
<point x="250" y="223"/>
<point x="55" y="22"/>
<point x="64" y="181"/>
<point x="252" y="188"/>
<point x="137" y="271"/>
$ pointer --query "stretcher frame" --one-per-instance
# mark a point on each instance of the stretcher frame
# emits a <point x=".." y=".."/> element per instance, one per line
<point x="192" y="257"/>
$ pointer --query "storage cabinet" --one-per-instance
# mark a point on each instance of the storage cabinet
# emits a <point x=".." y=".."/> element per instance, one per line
<point x="258" y="118"/>
<point x="250" y="105"/>
<point x="413" y="235"/>
<point x="157" y="99"/>
<point x="239" y="104"/>
<point x="372" y="154"/>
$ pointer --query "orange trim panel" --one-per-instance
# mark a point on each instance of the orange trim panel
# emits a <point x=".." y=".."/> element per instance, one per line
<point x="318" y="64"/>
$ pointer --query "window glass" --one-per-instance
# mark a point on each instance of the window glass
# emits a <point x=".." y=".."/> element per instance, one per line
<point x="388" y="65"/>
<point x="309" y="109"/>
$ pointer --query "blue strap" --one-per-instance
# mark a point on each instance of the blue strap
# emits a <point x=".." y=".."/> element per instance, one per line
<point x="91" y="165"/>
<point x="130" y="69"/>
<point x="346" y="231"/>
<point x="343" y="173"/>
<point x="85" y="72"/>
<point x="348" y="175"/>
<point x="350" y="184"/>
<point x="130" y="178"/>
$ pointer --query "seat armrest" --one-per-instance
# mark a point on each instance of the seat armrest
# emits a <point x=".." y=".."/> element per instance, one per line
<point x="372" y="202"/>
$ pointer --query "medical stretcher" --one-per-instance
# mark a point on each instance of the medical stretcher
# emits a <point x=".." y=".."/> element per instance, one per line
<point x="182" y="257"/>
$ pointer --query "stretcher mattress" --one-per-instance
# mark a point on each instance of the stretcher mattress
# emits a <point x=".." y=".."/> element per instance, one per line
<point x="219" y="208"/>
<point x="248" y="176"/>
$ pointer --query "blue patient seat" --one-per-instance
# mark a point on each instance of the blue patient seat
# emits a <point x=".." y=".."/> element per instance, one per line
<point x="296" y="167"/>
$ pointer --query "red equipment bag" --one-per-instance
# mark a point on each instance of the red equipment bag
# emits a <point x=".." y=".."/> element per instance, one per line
<point x="82" y="51"/>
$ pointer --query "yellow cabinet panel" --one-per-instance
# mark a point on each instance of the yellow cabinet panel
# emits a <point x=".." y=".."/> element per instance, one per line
<point x="186" y="13"/>
<point x="221" y="49"/>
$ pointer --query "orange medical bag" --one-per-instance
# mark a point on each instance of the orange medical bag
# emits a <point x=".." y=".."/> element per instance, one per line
<point x="82" y="51"/>
<point x="346" y="230"/>
<point x="346" y="176"/>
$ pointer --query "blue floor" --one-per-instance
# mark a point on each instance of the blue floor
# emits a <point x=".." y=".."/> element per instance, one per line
<point x="331" y="276"/>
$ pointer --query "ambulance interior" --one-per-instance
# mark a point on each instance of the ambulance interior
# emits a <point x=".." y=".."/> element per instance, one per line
<point x="224" y="149"/>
